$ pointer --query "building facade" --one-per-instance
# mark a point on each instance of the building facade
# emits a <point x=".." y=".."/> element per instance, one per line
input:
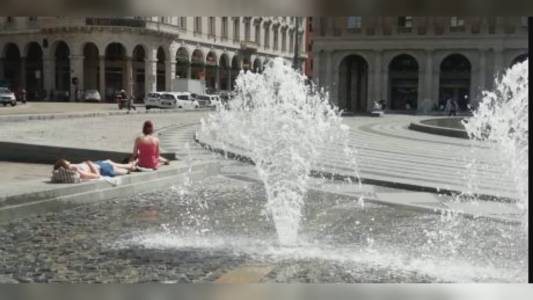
<point x="51" y="57"/>
<point x="413" y="63"/>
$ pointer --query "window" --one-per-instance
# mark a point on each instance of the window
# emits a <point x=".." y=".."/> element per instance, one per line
<point x="224" y="28"/>
<point x="197" y="24"/>
<point x="10" y="20"/>
<point x="291" y="40"/>
<point x="276" y="38"/>
<point x="183" y="23"/>
<point x="267" y="35"/>
<point x="236" y="29"/>
<point x="405" y="22"/>
<point x="284" y="40"/>
<point x="257" y="33"/>
<point x="457" y="22"/>
<point x="354" y="22"/>
<point x="247" y="30"/>
<point x="211" y="26"/>
<point x="310" y="22"/>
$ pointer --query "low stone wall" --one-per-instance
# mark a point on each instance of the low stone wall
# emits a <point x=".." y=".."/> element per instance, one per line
<point x="31" y="153"/>
<point x="451" y="132"/>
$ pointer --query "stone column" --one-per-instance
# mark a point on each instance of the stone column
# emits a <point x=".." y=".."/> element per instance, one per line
<point x="2" y="68"/>
<point x="170" y="73"/>
<point x="217" y="78"/>
<point x="498" y="62"/>
<point x="482" y="79"/>
<point x="129" y="76"/>
<point x="76" y="65"/>
<point x="328" y="80"/>
<point x="385" y="93"/>
<point x="377" y="74"/>
<point x="49" y="76"/>
<point x="425" y="81"/>
<point x="23" y="72"/>
<point x="229" y="80"/>
<point x="150" y="75"/>
<point x="101" y="85"/>
<point x="189" y="70"/>
<point x="316" y="65"/>
<point x="434" y="85"/>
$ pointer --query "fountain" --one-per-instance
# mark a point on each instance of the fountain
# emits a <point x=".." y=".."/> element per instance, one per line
<point x="501" y="122"/>
<point x="283" y="123"/>
<point x="272" y="214"/>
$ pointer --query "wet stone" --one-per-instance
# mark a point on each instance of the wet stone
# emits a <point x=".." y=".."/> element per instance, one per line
<point x="166" y="237"/>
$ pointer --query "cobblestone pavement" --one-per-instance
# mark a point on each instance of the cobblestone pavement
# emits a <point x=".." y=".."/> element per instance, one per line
<point x="388" y="151"/>
<point x="104" y="133"/>
<point x="13" y="172"/>
<point x="55" y="107"/>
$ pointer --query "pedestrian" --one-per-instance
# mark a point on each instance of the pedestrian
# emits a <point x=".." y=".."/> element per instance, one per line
<point x="451" y="107"/>
<point x="130" y="104"/>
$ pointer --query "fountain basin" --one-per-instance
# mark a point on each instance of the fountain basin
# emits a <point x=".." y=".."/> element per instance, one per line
<point x="219" y="225"/>
<point x="446" y="126"/>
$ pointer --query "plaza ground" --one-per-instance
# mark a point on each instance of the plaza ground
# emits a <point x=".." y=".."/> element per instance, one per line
<point x="387" y="151"/>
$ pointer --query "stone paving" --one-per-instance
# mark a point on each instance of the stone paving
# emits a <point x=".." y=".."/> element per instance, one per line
<point x="387" y="151"/>
<point x="102" y="133"/>
<point x="55" y="107"/>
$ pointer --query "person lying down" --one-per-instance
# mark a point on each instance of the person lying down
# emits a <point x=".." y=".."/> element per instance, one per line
<point x="65" y="171"/>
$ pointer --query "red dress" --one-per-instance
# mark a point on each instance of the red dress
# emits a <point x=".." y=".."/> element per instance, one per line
<point x="148" y="154"/>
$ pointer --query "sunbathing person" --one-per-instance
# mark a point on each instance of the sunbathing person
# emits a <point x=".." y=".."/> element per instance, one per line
<point x="94" y="170"/>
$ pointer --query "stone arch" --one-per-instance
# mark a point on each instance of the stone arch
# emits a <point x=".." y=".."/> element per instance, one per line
<point x="115" y="68"/>
<point x="34" y="71"/>
<point x="182" y="62"/>
<point x="61" y="53"/>
<point x="455" y="79"/>
<point x="91" y="67"/>
<point x="198" y="64"/>
<point x="138" y="61"/>
<point x="161" y="69"/>
<point x="211" y="69"/>
<point x="403" y="72"/>
<point x="224" y="69"/>
<point x="12" y="65"/>
<point x="235" y="69"/>
<point x="257" y="65"/>
<point x="353" y="83"/>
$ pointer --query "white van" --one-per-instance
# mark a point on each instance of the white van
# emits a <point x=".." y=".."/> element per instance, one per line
<point x="177" y="99"/>
<point x="152" y="100"/>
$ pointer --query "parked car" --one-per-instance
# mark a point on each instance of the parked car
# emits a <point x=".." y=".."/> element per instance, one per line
<point x="152" y="100"/>
<point x="61" y="95"/>
<point x="186" y="100"/>
<point x="92" y="96"/>
<point x="7" y="97"/>
<point x="214" y="99"/>
<point x="203" y="100"/>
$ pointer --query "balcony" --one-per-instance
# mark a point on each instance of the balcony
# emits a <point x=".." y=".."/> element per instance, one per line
<point x="249" y="46"/>
<point x="123" y="22"/>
